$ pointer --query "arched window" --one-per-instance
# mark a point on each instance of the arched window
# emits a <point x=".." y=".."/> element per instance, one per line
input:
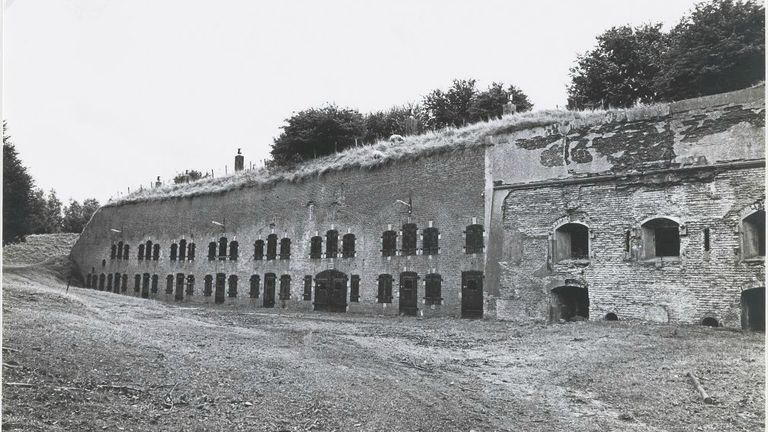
<point x="389" y="243"/>
<point x="409" y="239"/>
<point x="113" y="252"/>
<point x="254" y="293"/>
<point x="109" y="282"/>
<point x="331" y="244"/>
<point x="258" y="250"/>
<point x="120" y="250"/>
<point x="148" y="250"/>
<point x="211" y="251"/>
<point x="385" y="288"/>
<point x="285" y="287"/>
<point x="753" y="235"/>
<point x="571" y="242"/>
<point x="137" y="283"/>
<point x="156" y="252"/>
<point x="232" y="285"/>
<point x="661" y="238"/>
<point x="174" y="251"/>
<point x="354" y="289"/>
<point x="182" y="250"/>
<point x="208" y="287"/>
<point x="348" y="246"/>
<point x="169" y="284"/>
<point x="126" y="250"/>
<point x="124" y="283"/>
<point x="155" y="283"/>
<point x="474" y="239"/>
<point x="285" y="248"/>
<point x="271" y="246"/>
<point x="433" y="283"/>
<point x="234" y="247"/>
<point x="140" y="255"/>
<point x="430" y="241"/>
<point x="191" y="252"/>
<point x="102" y="279"/>
<point x="307" y="287"/>
<point x="88" y="281"/>
<point x="223" y="248"/>
<point x="190" y="285"/>
<point x="179" y="293"/>
<point x="117" y="283"/>
<point x="316" y="247"/>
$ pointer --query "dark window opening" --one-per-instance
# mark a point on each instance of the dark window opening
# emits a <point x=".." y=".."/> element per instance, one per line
<point x="208" y="286"/>
<point x="140" y="254"/>
<point x="120" y="250"/>
<point x="116" y="286"/>
<point x="661" y="238"/>
<point x="270" y="280"/>
<point x="148" y="250"/>
<point x="409" y="239"/>
<point x="102" y="279"/>
<point x="155" y="283"/>
<point x="348" y="246"/>
<point x="258" y="250"/>
<point x="285" y="248"/>
<point x="433" y="284"/>
<point x="190" y="285"/>
<point x="126" y="250"/>
<point x="430" y="241"/>
<point x="232" y="284"/>
<point x="571" y="242"/>
<point x="191" y="252"/>
<point x="156" y="252"/>
<point x="408" y="298"/>
<point x="137" y="283"/>
<point x="385" y="289"/>
<point x="219" y="294"/>
<point x="254" y="293"/>
<point x="223" y="248"/>
<point x="316" y="247"/>
<point x="627" y="240"/>
<point x="124" y="284"/>
<point x="234" y="251"/>
<point x="710" y="322"/>
<point x="354" y="289"/>
<point x="174" y="251"/>
<point x="706" y="239"/>
<point x="88" y="281"/>
<point x="145" y="285"/>
<point x="753" y="309"/>
<point x="169" y="284"/>
<point x="113" y="252"/>
<point x="179" y="293"/>
<point x="285" y="287"/>
<point x="331" y="244"/>
<point x="271" y="246"/>
<point x="109" y="282"/>
<point x="103" y="263"/>
<point x="307" y="287"/>
<point x="569" y="303"/>
<point x="610" y="316"/>
<point x="211" y="251"/>
<point x="389" y="243"/>
<point x="474" y="239"/>
<point x="753" y="228"/>
<point x="182" y="250"/>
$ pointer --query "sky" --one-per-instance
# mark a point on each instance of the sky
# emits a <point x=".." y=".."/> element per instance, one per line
<point x="105" y="95"/>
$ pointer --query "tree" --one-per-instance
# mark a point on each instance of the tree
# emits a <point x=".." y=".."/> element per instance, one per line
<point x="45" y="214"/>
<point x="17" y="193"/>
<point x="620" y="71"/>
<point x="450" y="108"/>
<point x="490" y="103"/>
<point x="720" y="47"/>
<point x="188" y="176"/>
<point x="76" y="216"/>
<point x="317" y="132"/>
<point x="383" y="124"/>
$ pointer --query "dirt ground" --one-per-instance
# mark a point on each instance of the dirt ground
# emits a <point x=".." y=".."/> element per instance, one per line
<point x="89" y="360"/>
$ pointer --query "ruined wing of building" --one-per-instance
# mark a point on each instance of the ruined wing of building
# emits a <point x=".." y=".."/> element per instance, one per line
<point x="652" y="213"/>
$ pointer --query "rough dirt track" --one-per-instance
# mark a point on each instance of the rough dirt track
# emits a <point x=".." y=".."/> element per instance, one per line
<point x="102" y="361"/>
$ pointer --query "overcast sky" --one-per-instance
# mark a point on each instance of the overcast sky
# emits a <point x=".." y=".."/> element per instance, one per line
<point x="105" y="95"/>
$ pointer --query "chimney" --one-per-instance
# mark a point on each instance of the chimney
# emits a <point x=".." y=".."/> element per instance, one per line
<point x="239" y="161"/>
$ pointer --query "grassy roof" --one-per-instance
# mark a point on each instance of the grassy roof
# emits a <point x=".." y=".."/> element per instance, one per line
<point x="384" y="151"/>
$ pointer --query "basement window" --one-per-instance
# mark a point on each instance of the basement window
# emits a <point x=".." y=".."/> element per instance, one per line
<point x="190" y="285"/>
<point x="389" y="243"/>
<point x="753" y="233"/>
<point x="430" y="239"/>
<point x="223" y="248"/>
<point x="571" y="242"/>
<point x="348" y="246"/>
<point x="307" y="287"/>
<point x="258" y="250"/>
<point x="232" y="286"/>
<point x="174" y="251"/>
<point x="271" y="246"/>
<point x="156" y="252"/>
<point x="354" y="289"/>
<point x="140" y="255"/>
<point x="285" y="287"/>
<point x="385" y="288"/>
<point x="169" y="284"/>
<point x="475" y="242"/>
<point x="331" y="244"/>
<point x="285" y="248"/>
<point x="661" y="238"/>
<point x="433" y="283"/>
<point x="234" y="252"/>
<point x="409" y="239"/>
<point x="254" y="292"/>
<point x="182" y="250"/>
<point x="208" y="285"/>
<point x="316" y="247"/>
<point x="211" y="251"/>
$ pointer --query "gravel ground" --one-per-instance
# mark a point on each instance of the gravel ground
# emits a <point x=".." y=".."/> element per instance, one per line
<point x="88" y="360"/>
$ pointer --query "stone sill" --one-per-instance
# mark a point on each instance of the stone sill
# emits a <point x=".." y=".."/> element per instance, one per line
<point x="582" y="262"/>
<point x="661" y="260"/>
<point x="754" y="260"/>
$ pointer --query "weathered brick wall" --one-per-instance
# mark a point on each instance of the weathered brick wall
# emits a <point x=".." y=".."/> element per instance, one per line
<point x="700" y="284"/>
<point x="445" y="189"/>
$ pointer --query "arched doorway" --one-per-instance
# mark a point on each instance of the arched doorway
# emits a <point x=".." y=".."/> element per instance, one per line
<point x="569" y="303"/>
<point x="331" y="291"/>
<point x="753" y="309"/>
<point x="472" y="294"/>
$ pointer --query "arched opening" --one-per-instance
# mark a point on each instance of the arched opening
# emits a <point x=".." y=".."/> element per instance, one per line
<point x="234" y="250"/>
<point x="207" y="286"/>
<point x="136" y="283"/>
<point x="116" y="286"/>
<point x="221" y="281"/>
<point x="169" y="284"/>
<point x="124" y="284"/>
<point x="88" y="281"/>
<point x="753" y="309"/>
<point x="179" y="293"/>
<point x="316" y="247"/>
<point x="389" y="243"/>
<point x="385" y="289"/>
<point x="254" y="292"/>
<point x="211" y="251"/>
<point x="182" y="250"/>
<point x="145" y="285"/>
<point x="223" y="248"/>
<point x="433" y="284"/>
<point x="270" y="280"/>
<point x="354" y="289"/>
<point x="331" y="291"/>
<point x="753" y="233"/>
<point x="475" y="242"/>
<point x="285" y="248"/>
<point x="569" y="303"/>
<point x="472" y="294"/>
<point x="408" y="304"/>
<point x="120" y="250"/>
<point x="285" y="287"/>
<point x="348" y="246"/>
<point x="109" y="282"/>
<point x="271" y="246"/>
<point x="430" y="241"/>
<point x="409" y="239"/>
<point x="102" y="280"/>
<point x="126" y="251"/>
<point x="148" y="250"/>
<point x="191" y="252"/>
<point x="232" y="284"/>
<point x="710" y="322"/>
<point x="258" y="250"/>
<point x="155" y="252"/>
<point x="331" y="244"/>
<point x="661" y="238"/>
<point x="155" y="283"/>
<point x="190" y="285"/>
<point x="113" y="252"/>
<point x="571" y="242"/>
<point x="174" y="251"/>
<point x="140" y="255"/>
<point x="610" y="316"/>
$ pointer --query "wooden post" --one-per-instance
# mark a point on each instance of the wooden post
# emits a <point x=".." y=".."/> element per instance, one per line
<point x="707" y="399"/>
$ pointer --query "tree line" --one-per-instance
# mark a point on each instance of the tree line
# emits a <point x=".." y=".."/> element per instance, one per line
<point x="29" y="210"/>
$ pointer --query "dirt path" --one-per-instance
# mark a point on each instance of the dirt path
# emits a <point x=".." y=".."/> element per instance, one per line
<point x="177" y="368"/>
